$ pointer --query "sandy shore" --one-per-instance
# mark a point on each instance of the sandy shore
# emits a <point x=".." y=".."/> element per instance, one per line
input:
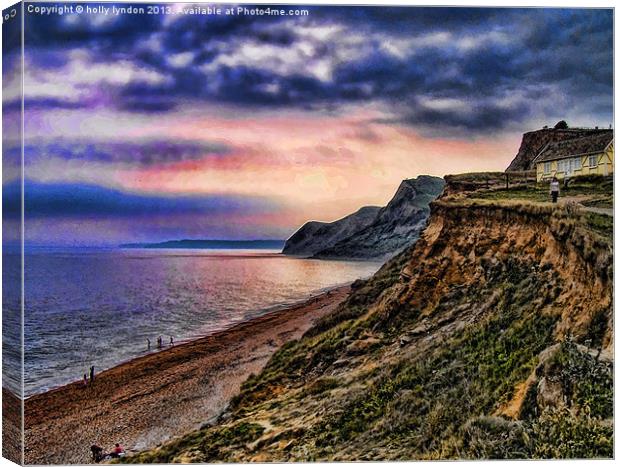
<point x="153" y="398"/>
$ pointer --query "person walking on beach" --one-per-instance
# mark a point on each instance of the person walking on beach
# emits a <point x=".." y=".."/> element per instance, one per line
<point x="554" y="189"/>
<point x="171" y="341"/>
<point x="92" y="374"/>
<point x="148" y="344"/>
<point x="159" y="342"/>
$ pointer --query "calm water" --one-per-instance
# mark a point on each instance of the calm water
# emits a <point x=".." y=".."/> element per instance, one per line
<point x="99" y="307"/>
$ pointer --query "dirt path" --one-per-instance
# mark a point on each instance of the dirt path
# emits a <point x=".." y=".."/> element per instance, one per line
<point x="150" y="399"/>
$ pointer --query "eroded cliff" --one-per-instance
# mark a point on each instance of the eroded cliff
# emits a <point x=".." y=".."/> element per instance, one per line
<point x="491" y="337"/>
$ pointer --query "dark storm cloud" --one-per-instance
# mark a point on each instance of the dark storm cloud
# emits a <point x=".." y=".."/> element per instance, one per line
<point x="478" y="56"/>
<point x="50" y="102"/>
<point x="140" y="154"/>
<point x="76" y="200"/>
<point x="120" y="32"/>
<point x="479" y="117"/>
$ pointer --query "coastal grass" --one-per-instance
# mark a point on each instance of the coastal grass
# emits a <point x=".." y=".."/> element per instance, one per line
<point x="201" y="446"/>
<point x="582" y="428"/>
<point x="604" y="201"/>
<point x="600" y="223"/>
<point x="598" y="189"/>
<point x="557" y="434"/>
<point x="424" y="401"/>
<point x="363" y="293"/>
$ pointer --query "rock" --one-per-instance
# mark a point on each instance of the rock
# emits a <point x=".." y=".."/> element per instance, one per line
<point x="419" y="330"/>
<point x="362" y="346"/>
<point x="405" y="340"/>
<point x="549" y="394"/>
<point x="371" y="232"/>
<point x="340" y="363"/>
<point x="315" y="236"/>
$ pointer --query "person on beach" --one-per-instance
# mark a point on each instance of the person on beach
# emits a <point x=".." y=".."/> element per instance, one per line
<point x="97" y="453"/>
<point x="92" y="374"/>
<point x="554" y="189"/>
<point x="85" y="381"/>
<point x="118" y="451"/>
<point x="171" y="341"/>
<point x="159" y="342"/>
<point x="148" y="344"/>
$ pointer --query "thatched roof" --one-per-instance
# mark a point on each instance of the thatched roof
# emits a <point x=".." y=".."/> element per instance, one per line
<point x="591" y="144"/>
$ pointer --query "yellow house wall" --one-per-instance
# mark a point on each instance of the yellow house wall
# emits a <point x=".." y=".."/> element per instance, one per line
<point x="605" y="166"/>
<point x="609" y="154"/>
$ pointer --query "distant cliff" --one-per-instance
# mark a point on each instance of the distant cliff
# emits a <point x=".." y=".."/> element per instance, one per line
<point x="371" y="232"/>
<point x="211" y="244"/>
<point x="534" y="141"/>
<point x="315" y="236"/>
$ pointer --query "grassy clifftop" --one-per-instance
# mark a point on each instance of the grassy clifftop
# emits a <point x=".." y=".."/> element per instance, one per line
<point x="490" y="338"/>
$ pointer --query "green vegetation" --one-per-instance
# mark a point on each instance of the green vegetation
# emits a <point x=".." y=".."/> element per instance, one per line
<point x="584" y="193"/>
<point x="425" y="402"/>
<point x="605" y="201"/>
<point x="597" y="188"/>
<point x="203" y="445"/>
<point x="363" y="294"/>
<point x="561" y="434"/>
<point x="581" y="429"/>
<point x="533" y="192"/>
<point x="557" y="434"/>
<point x="587" y="382"/>
<point x="600" y="223"/>
<point x="320" y="386"/>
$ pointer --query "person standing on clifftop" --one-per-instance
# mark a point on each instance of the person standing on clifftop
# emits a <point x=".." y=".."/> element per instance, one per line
<point x="554" y="189"/>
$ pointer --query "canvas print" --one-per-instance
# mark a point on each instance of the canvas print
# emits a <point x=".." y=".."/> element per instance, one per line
<point x="294" y="233"/>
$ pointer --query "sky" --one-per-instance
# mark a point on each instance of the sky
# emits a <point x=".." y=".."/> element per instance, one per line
<point x="146" y="128"/>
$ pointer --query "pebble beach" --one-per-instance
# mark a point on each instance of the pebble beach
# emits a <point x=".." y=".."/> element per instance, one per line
<point x="165" y="394"/>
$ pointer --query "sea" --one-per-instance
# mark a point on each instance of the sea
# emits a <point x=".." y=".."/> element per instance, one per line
<point x="98" y="307"/>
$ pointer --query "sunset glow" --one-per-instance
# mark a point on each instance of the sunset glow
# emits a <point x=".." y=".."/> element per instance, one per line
<point x="275" y="121"/>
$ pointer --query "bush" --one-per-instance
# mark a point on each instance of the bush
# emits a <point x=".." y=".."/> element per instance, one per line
<point x="562" y="435"/>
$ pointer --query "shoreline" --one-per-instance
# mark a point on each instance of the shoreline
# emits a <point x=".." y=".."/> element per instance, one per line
<point x="267" y="312"/>
<point x="152" y="398"/>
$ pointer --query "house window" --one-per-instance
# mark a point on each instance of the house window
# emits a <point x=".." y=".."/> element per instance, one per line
<point x="547" y="167"/>
<point x="576" y="163"/>
<point x="562" y="166"/>
<point x="593" y="161"/>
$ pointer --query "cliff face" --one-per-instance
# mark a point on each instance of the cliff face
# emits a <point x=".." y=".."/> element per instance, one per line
<point x="534" y="141"/>
<point x="491" y="337"/>
<point x="315" y="236"/>
<point x="379" y="232"/>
